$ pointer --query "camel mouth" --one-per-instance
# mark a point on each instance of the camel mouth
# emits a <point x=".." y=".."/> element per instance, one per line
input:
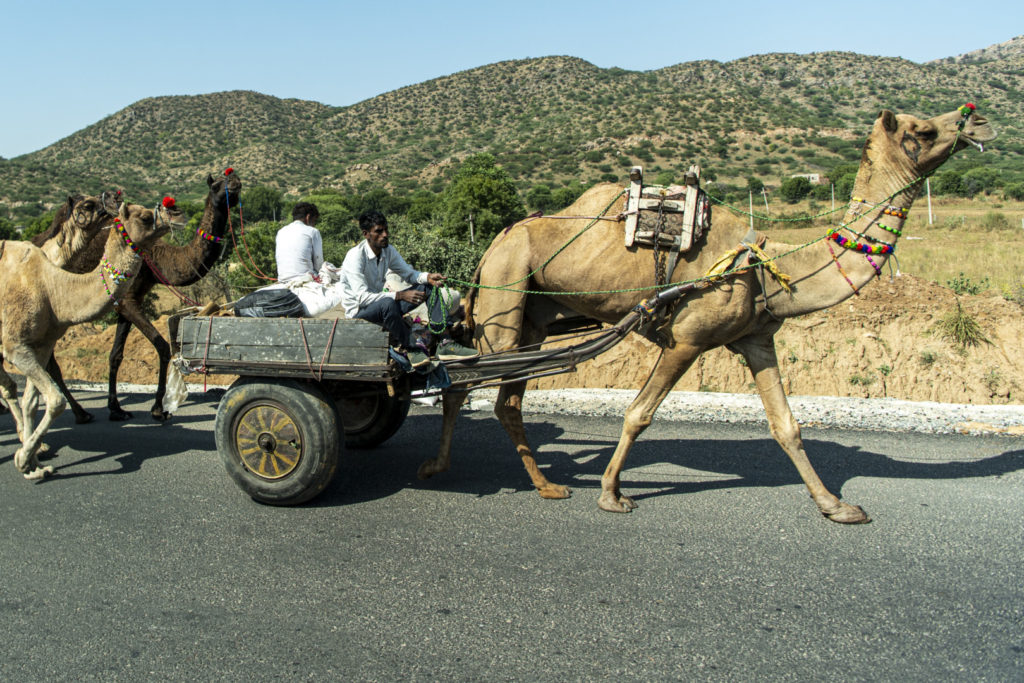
<point x="169" y="219"/>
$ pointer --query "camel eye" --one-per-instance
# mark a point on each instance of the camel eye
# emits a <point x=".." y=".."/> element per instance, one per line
<point x="929" y="133"/>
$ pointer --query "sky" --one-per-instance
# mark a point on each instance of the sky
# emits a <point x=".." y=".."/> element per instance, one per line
<point x="66" y="65"/>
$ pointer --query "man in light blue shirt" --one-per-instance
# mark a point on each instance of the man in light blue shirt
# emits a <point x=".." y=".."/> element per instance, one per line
<point x="363" y="275"/>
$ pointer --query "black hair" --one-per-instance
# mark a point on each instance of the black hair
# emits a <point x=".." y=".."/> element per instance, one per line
<point x="371" y="218"/>
<point x="303" y="209"/>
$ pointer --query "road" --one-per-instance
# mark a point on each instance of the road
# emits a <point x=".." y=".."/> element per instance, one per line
<point x="140" y="560"/>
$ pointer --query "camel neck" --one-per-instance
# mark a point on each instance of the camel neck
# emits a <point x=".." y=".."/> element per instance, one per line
<point x="91" y="294"/>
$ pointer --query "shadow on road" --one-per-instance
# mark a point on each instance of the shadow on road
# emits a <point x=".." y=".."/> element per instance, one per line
<point x="484" y="463"/>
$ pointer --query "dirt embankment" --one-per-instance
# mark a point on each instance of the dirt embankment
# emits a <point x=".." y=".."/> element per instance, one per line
<point x="884" y="343"/>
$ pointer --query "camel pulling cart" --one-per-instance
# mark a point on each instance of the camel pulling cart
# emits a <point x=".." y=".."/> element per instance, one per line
<point x="308" y="388"/>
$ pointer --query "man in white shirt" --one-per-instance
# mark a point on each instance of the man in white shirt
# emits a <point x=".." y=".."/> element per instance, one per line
<point x="363" y="275"/>
<point x="299" y="250"/>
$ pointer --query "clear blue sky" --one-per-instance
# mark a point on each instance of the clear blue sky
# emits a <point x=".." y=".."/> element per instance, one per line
<point x="66" y="65"/>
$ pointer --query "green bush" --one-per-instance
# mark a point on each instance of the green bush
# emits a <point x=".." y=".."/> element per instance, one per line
<point x="962" y="284"/>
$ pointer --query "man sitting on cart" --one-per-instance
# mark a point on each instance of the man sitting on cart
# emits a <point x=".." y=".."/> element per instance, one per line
<point x="363" y="276"/>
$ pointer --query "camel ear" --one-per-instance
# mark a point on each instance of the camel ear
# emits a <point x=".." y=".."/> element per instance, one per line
<point x="71" y="204"/>
<point x="122" y="211"/>
<point x="209" y="180"/>
<point x="888" y="120"/>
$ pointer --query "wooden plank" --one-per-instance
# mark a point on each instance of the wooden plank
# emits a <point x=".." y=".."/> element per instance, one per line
<point x="636" y="176"/>
<point x="690" y="214"/>
<point x="285" y="340"/>
<point x="668" y="205"/>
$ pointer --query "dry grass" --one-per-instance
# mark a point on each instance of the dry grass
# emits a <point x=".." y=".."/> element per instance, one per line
<point x="980" y="238"/>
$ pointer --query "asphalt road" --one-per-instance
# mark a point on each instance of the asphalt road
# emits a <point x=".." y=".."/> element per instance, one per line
<point x="140" y="560"/>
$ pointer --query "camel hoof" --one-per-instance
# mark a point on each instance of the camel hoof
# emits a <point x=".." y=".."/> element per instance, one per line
<point x="428" y="469"/>
<point x="609" y="503"/>
<point x="84" y="418"/>
<point x="848" y="514"/>
<point x="160" y="416"/>
<point x="39" y="473"/>
<point x="120" y="415"/>
<point x="554" y="492"/>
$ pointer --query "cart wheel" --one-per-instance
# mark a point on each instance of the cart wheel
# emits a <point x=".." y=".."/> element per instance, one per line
<point x="278" y="439"/>
<point x="370" y="419"/>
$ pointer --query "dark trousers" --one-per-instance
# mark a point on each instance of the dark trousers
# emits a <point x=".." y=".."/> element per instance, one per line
<point x="388" y="314"/>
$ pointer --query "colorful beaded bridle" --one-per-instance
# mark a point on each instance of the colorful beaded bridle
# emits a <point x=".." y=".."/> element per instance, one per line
<point x="109" y="271"/>
<point x="873" y="245"/>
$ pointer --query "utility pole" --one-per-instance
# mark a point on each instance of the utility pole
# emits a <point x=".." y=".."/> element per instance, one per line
<point x="751" y="204"/>
<point x="472" y="240"/>
<point x="764" y="193"/>
<point x="928" y="187"/>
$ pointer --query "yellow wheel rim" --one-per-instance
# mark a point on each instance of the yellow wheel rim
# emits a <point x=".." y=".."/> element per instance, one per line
<point x="268" y="441"/>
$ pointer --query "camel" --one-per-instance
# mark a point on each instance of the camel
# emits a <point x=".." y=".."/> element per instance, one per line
<point x="76" y="222"/>
<point x="39" y="301"/>
<point x="62" y="242"/>
<point x="742" y="312"/>
<point x="169" y="264"/>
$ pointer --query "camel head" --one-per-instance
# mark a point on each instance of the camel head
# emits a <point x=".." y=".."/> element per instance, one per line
<point x="86" y="214"/>
<point x="144" y="226"/>
<point x="226" y="189"/>
<point x="914" y="147"/>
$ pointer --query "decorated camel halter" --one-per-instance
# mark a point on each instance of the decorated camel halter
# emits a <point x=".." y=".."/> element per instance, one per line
<point x="107" y="270"/>
<point x="879" y="247"/>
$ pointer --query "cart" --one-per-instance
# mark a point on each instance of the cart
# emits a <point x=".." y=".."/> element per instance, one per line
<point x="308" y="388"/>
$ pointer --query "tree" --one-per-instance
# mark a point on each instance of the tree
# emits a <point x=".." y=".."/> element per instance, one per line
<point x="539" y="197"/>
<point x="483" y="193"/>
<point x="794" y="189"/>
<point x="948" y="182"/>
<point x="7" y="231"/>
<point x="754" y="185"/>
<point x="423" y="204"/>
<point x="1015" y="191"/>
<point x="980" y="179"/>
<point x="263" y="204"/>
<point x="564" y="196"/>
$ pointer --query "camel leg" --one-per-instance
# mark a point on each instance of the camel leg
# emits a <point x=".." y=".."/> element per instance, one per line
<point x="37" y="380"/>
<point x="29" y="405"/>
<point x="509" y="410"/>
<point x="82" y="416"/>
<point x="666" y="372"/>
<point x="132" y="312"/>
<point x="124" y="326"/>
<point x="764" y="366"/>
<point x="9" y="391"/>
<point x="451" y="401"/>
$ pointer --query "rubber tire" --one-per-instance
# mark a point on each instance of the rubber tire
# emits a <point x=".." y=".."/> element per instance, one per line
<point x="300" y="407"/>
<point x="372" y="420"/>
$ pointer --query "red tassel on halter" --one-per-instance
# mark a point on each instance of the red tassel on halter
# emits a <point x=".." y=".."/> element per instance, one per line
<point x="168" y="202"/>
<point x="229" y="171"/>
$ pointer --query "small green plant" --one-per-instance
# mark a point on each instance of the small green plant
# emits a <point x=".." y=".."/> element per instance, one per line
<point x="963" y="284"/>
<point x="992" y="379"/>
<point x="960" y="328"/>
<point x="928" y="357"/>
<point x="885" y="370"/>
<point x="1015" y="292"/>
<point x="867" y="379"/>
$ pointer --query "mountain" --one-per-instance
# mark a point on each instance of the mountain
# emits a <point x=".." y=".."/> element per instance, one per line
<point x="549" y="120"/>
